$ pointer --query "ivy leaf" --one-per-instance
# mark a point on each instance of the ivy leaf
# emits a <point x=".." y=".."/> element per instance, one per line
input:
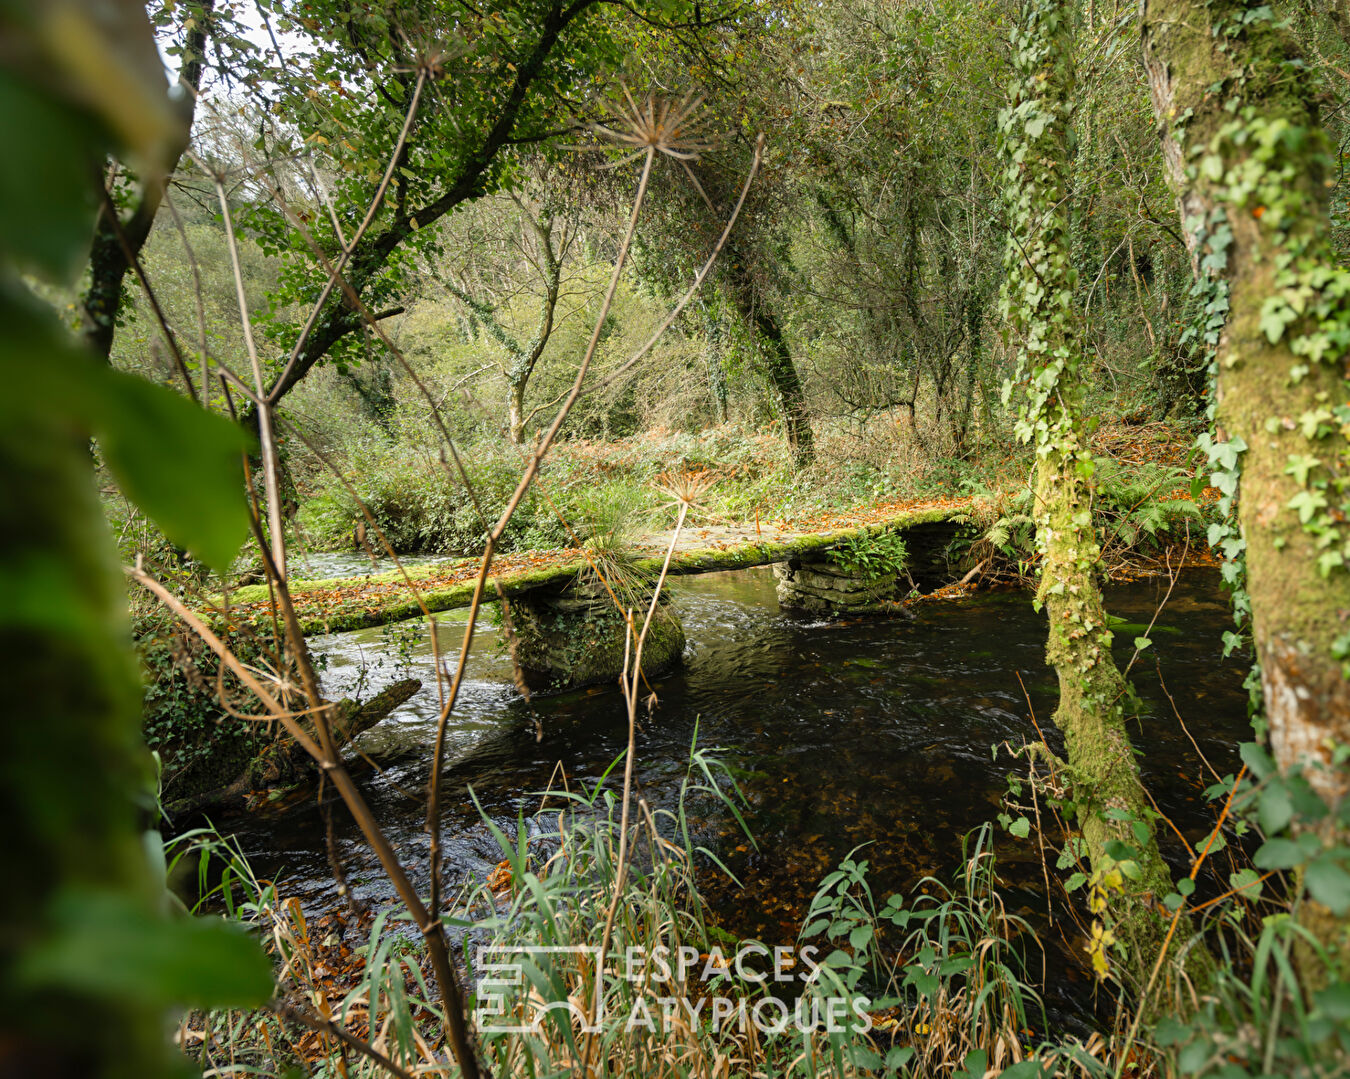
<point x="1307" y="503"/>
<point x="1021" y="827"/>
<point x="1140" y="643"/>
<point x="1276" y="809"/>
<point x="1299" y="466"/>
<point x="1278" y="854"/>
<point x="1329" y="884"/>
<point x="1275" y="316"/>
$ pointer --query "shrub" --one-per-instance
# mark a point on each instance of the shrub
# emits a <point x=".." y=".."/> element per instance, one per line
<point x="199" y="744"/>
<point x="420" y="506"/>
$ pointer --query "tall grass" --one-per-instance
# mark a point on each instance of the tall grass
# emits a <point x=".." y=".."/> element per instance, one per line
<point x="941" y="976"/>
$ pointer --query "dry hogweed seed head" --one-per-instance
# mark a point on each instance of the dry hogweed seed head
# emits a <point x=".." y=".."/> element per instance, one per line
<point x="686" y="487"/>
<point x="656" y="125"/>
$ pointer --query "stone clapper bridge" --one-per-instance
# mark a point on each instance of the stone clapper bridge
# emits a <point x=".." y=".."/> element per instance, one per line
<point x="569" y="632"/>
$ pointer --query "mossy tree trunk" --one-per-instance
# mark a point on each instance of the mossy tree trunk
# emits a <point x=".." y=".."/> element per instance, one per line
<point x="1251" y="169"/>
<point x="1036" y="134"/>
<point x="782" y="375"/>
<point x="70" y="763"/>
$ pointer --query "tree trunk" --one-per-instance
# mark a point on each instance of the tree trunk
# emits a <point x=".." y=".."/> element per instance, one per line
<point x="110" y="255"/>
<point x="778" y="365"/>
<point x="515" y="410"/>
<point x="286" y="763"/>
<point x="1250" y="167"/>
<point x="1110" y="800"/>
<point x="787" y="386"/>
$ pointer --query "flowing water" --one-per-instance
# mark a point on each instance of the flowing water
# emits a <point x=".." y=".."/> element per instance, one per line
<point x="863" y="731"/>
<point x="319" y="565"/>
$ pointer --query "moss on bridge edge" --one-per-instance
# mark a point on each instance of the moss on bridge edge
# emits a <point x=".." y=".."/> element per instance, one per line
<point x="361" y="609"/>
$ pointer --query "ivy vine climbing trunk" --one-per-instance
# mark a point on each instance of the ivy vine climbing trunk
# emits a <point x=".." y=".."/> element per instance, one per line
<point x="1112" y="807"/>
<point x="712" y="357"/>
<point x="1251" y="168"/>
<point x="784" y="381"/>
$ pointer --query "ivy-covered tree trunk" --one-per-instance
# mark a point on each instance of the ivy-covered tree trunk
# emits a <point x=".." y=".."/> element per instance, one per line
<point x="777" y="356"/>
<point x="717" y="375"/>
<point x="1251" y="169"/>
<point x="1112" y="807"/>
<point x="786" y="384"/>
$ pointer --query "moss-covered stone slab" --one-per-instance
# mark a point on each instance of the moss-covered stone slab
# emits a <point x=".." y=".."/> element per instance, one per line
<point x="346" y="603"/>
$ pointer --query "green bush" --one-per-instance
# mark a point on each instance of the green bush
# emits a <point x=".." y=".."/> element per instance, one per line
<point x="420" y="506"/>
<point x="199" y="744"/>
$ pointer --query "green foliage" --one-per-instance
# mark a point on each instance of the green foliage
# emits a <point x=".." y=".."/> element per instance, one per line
<point x="946" y="958"/>
<point x="419" y="505"/>
<point x="200" y="746"/>
<point x="872" y="554"/>
<point x="1036" y="132"/>
<point x="1278" y="1003"/>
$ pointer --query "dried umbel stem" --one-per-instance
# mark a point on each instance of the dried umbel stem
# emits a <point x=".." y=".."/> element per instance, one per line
<point x="628" y="680"/>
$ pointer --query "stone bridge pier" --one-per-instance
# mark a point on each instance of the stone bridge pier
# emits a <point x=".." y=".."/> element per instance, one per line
<point x="577" y="637"/>
<point x="818" y="581"/>
<point x="822" y="585"/>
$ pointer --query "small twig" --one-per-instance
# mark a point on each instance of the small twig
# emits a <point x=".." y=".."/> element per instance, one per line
<point x="628" y="680"/>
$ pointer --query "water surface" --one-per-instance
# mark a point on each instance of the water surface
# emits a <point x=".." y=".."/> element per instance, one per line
<point x="860" y="731"/>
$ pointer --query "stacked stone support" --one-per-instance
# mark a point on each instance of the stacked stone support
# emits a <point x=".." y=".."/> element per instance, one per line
<point x="823" y="586"/>
<point x="574" y="638"/>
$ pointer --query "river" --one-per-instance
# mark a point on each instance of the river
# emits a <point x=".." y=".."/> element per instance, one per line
<point x="844" y="732"/>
